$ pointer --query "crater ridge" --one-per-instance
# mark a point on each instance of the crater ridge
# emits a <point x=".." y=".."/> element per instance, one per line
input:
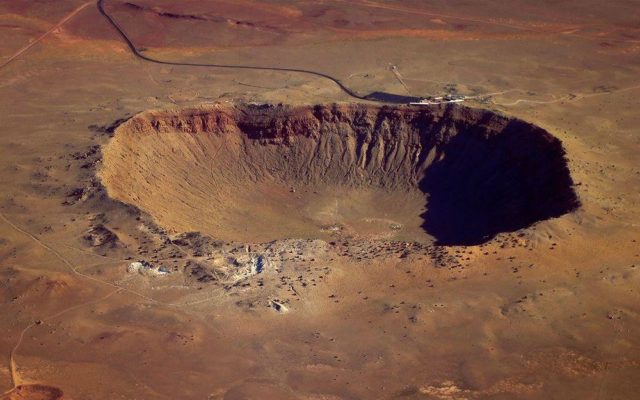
<point x="247" y="172"/>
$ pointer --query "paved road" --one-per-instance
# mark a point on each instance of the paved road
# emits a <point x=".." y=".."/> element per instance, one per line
<point x="137" y="53"/>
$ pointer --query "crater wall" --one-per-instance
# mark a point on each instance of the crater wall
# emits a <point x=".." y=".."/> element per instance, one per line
<point x="477" y="172"/>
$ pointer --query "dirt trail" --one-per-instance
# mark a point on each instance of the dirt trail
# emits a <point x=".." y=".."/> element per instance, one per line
<point x="569" y="97"/>
<point x="75" y="271"/>
<point x="47" y="33"/>
<point x="15" y="376"/>
<point x="13" y="367"/>
<point x="71" y="267"/>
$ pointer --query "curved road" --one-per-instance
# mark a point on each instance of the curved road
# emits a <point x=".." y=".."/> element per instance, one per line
<point x="140" y="55"/>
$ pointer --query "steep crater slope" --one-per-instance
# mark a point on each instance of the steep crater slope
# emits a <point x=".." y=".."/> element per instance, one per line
<point x="261" y="172"/>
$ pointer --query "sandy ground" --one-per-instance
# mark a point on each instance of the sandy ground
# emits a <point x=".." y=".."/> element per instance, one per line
<point x="550" y="312"/>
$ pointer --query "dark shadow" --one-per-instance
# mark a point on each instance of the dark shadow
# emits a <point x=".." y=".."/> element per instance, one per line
<point x="484" y="184"/>
<point x="390" y="98"/>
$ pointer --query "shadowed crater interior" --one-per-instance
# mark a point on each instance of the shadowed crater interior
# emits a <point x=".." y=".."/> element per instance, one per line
<point x="452" y="174"/>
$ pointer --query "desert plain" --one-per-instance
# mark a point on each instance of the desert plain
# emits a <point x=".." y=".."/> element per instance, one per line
<point x="234" y="199"/>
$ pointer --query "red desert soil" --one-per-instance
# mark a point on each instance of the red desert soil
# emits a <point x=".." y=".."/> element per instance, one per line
<point x="182" y="231"/>
<point x="34" y="392"/>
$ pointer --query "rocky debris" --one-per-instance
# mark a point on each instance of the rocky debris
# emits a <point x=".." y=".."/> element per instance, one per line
<point x="200" y="272"/>
<point x="244" y="266"/>
<point x="100" y="236"/>
<point x="74" y="195"/>
<point x="333" y="228"/>
<point x="199" y="245"/>
<point x="90" y="154"/>
<point x="226" y="268"/>
<point x="278" y="306"/>
<point x="283" y="271"/>
<point x="616" y="314"/>
<point x="146" y="268"/>
<point x="447" y="390"/>
<point x="108" y="129"/>
<point x="81" y="194"/>
<point x="86" y="158"/>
